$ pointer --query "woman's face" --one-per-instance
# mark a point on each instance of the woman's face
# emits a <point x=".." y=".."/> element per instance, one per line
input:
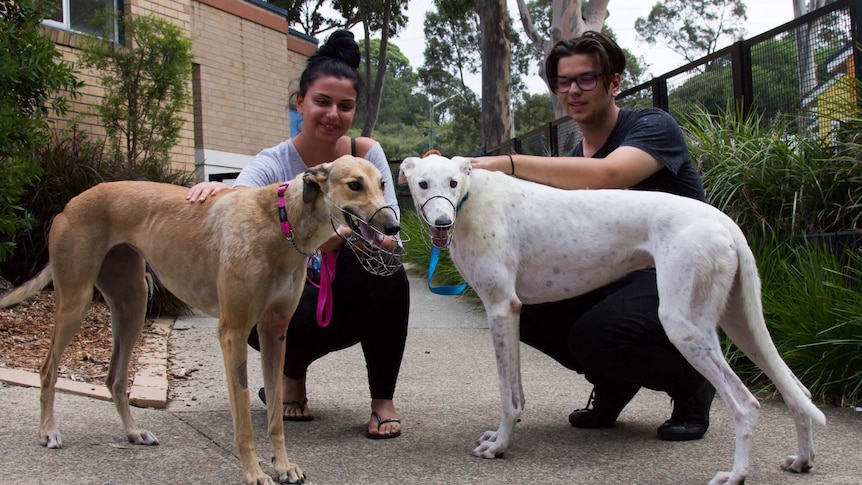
<point x="586" y="106"/>
<point x="327" y="108"/>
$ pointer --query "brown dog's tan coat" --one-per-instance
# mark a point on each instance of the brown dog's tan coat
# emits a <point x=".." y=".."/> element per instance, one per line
<point x="227" y="257"/>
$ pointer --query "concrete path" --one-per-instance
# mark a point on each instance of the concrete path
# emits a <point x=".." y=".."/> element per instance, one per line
<point x="447" y="396"/>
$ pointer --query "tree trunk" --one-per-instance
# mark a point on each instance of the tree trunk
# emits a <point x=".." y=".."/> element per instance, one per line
<point x="496" y="73"/>
<point x="373" y="106"/>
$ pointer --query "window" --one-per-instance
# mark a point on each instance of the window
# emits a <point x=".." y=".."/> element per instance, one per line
<point x="84" y="16"/>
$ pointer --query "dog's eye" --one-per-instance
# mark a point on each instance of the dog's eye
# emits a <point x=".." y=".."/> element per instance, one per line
<point x="453" y="184"/>
<point x="423" y="185"/>
<point x="354" y="186"/>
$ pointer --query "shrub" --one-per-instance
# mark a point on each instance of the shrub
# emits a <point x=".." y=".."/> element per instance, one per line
<point x="146" y="89"/>
<point x="786" y="191"/>
<point x="34" y="81"/>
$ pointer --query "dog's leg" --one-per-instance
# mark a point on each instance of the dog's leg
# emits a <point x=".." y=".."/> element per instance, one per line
<point x="71" y="307"/>
<point x="272" y="331"/>
<point x="233" y="340"/>
<point x="75" y="268"/>
<point x="503" y="324"/>
<point x="123" y="284"/>
<point x="740" y="326"/>
<point x="694" y="286"/>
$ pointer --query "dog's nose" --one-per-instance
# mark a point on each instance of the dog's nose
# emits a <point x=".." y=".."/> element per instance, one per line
<point x="443" y="221"/>
<point x="392" y="228"/>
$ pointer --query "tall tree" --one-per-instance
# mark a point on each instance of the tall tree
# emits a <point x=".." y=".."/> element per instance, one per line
<point x="452" y="40"/>
<point x="496" y="73"/>
<point x="692" y="28"/>
<point x="569" y="18"/>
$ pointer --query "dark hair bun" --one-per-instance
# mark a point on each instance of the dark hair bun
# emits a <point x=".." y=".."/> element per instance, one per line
<point x="340" y="45"/>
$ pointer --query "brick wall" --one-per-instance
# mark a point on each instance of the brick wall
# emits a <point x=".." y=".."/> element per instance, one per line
<point x="246" y="63"/>
<point x="246" y="66"/>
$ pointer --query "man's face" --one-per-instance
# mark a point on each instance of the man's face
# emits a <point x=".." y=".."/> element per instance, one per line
<point x="584" y="105"/>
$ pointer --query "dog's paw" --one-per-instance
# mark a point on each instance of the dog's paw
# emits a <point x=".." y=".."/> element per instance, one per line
<point x="488" y="446"/>
<point x="727" y="478"/>
<point x="292" y="475"/>
<point x="797" y="464"/>
<point x="143" y="438"/>
<point x="52" y="440"/>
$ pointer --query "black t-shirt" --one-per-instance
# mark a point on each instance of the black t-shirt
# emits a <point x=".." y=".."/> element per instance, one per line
<point x="657" y="133"/>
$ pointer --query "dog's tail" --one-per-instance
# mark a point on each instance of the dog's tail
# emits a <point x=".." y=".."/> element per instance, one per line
<point x="770" y="360"/>
<point x="29" y="288"/>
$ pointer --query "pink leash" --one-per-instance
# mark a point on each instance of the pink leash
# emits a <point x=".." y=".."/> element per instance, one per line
<point x="327" y="264"/>
<point x="324" y="296"/>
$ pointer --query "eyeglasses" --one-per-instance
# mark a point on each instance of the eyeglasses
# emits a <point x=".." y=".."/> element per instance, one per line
<point x="585" y="82"/>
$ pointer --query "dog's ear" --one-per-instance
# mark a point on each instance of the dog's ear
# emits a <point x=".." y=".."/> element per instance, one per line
<point x="311" y="180"/>
<point x="463" y="164"/>
<point x="405" y="168"/>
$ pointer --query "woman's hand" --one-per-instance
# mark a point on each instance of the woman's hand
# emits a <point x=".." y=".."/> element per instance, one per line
<point x="200" y="192"/>
<point x="336" y="239"/>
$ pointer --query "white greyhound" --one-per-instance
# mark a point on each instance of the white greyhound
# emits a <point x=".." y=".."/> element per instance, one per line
<point x="521" y="242"/>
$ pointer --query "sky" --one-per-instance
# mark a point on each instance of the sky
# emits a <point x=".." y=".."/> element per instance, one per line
<point x="762" y="15"/>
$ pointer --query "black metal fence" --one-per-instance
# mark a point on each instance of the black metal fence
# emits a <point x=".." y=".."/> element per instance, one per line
<point x="801" y="72"/>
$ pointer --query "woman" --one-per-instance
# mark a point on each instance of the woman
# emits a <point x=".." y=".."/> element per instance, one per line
<point x="328" y="91"/>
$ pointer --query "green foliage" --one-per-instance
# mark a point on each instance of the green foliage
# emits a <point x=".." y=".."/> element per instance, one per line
<point x="811" y="299"/>
<point x="536" y="110"/>
<point x="72" y="163"/>
<point x="770" y="181"/>
<point x="786" y="191"/>
<point x="401" y="103"/>
<point x="35" y="82"/>
<point x="146" y="88"/>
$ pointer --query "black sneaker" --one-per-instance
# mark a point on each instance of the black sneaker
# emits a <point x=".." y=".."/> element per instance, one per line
<point x="690" y="417"/>
<point x="605" y="404"/>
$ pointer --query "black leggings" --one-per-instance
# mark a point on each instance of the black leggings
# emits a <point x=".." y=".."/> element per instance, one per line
<point x="613" y="336"/>
<point x="367" y="309"/>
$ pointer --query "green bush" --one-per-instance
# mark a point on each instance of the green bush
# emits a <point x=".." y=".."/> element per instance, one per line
<point x="146" y="88"/>
<point x="34" y="81"/>
<point x="72" y="162"/>
<point x="783" y="189"/>
<point x="811" y="300"/>
<point x="772" y="181"/>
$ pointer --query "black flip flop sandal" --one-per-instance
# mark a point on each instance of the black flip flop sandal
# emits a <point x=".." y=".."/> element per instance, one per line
<point x="262" y="395"/>
<point x="380" y="422"/>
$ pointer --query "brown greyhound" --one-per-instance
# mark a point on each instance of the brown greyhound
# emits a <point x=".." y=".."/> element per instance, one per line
<point x="227" y="257"/>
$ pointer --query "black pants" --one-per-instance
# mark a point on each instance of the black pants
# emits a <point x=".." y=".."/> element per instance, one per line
<point x="613" y="336"/>
<point x="367" y="309"/>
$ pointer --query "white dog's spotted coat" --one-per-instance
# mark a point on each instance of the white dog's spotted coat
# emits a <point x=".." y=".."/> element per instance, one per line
<point x="520" y="242"/>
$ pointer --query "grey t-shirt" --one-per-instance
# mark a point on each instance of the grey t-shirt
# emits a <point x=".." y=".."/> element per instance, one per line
<point x="283" y="162"/>
<point x="657" y="133"/>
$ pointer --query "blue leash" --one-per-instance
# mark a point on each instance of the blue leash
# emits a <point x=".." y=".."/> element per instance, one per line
<point x="448" y="290"/>
<point x="445" y="289"/>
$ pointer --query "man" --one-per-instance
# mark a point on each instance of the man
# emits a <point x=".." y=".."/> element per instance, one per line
<point x="613" y="334"/>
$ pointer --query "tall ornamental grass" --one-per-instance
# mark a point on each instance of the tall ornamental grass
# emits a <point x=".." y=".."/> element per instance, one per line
<point x="797" y="198"/>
